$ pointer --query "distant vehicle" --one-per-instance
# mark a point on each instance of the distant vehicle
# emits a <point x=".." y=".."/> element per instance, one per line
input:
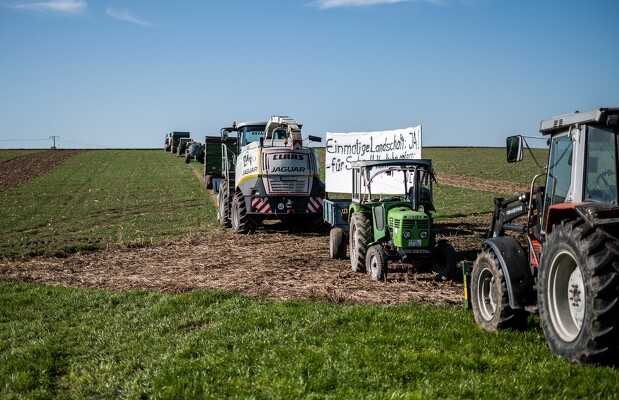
<point x="195" y="151"/>
<point x="171" y="141"/>
<point x="183" y="144"/>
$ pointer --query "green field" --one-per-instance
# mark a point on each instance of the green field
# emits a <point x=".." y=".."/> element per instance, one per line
<point x="137" y="197"/>
<point x="104" y="197"/>
<point x="79" y="343"/>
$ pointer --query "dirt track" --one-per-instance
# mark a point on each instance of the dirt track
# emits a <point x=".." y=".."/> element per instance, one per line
<point x="280" y="265"/>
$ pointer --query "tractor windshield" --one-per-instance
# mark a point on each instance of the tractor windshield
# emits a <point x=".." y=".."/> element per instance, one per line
<point x="412" y="183"/>
<point x="601" y="166"/>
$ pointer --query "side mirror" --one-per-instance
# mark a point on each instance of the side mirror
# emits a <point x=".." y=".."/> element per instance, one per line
<point x="514" y="149"/>
<point x="314" y="138"/>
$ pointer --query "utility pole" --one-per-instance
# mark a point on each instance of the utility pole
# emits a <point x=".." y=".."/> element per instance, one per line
<point x="54" y="139"/>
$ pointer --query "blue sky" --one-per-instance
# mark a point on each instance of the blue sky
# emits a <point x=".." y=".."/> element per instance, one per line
<point x="101" y="74"/>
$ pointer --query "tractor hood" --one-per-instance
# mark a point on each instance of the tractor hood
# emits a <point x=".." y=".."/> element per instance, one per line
<point x="409" y="228"/>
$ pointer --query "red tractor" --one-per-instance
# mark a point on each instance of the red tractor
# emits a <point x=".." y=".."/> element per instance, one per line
<point x="565" y="262"/>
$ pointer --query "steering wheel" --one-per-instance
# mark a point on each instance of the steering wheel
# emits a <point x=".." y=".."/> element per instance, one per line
<point x="394" y="198"/>
<point x="601" y="180"/>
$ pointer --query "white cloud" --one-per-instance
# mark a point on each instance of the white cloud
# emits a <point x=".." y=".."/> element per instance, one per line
<point x="125" y="15"/>
<point x="53" y="6"/>
<point x="363" y="3"/>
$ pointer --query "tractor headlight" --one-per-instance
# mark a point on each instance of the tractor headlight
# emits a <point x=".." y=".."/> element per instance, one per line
<point x="407" y="235"/>
<point x="423" y="234"/>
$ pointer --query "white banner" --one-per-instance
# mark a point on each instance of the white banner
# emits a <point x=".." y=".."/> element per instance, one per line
<point x="344" y="148"/>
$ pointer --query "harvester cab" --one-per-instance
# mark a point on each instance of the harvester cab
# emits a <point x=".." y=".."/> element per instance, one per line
<point x="565" y="266"/>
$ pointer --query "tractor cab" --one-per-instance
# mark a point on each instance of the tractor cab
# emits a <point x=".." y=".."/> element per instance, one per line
<point x="582" y="164"/>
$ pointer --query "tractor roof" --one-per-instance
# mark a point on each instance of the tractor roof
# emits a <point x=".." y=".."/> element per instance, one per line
<point x="562" y="122"/>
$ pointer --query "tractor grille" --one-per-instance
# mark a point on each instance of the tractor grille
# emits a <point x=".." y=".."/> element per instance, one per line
<point x="410" y="224"/>
<point x="300" y="186"/>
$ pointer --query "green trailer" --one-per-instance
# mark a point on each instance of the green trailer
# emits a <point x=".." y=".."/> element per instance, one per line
<point x="213" y="157"/>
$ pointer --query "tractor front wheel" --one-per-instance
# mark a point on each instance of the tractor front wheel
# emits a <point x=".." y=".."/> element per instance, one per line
<point x="360" y="235"/>
<point x="376" y="263"/>
<point x="489" y="296"/>
<point x="337" y="243"/>
<point x="577" y="293"/>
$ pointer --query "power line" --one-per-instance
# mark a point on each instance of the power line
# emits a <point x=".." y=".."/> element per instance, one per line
<point x="21" y="140"/>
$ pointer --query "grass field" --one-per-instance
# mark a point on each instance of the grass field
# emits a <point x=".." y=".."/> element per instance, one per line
<point x="138" y="197"/>
<point x="77" y="343"/>
<point x="104" y="197"/>
<point x="68" y="343"/>
<point x="485" y="163"/>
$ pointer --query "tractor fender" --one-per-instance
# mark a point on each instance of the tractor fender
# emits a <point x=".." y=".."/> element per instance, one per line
<point x="516" y="270"/>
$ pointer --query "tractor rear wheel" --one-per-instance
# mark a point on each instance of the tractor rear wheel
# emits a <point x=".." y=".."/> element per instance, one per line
<point x="360" y="235"/>
<point x="376" y="263"/>
<point x="577" y="293"/>
<point x="489" y="296"/>
<point x="444" y="260"/>
<point x="241" y="221"/>
<point x="337" y="243"/>
<point x="223" y="210"/>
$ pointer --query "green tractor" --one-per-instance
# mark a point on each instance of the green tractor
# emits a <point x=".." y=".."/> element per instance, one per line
<point x="396" y="226"/>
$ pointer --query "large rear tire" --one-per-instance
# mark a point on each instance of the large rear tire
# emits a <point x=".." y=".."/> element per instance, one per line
<point x="337" y="243"/>
<point x="241" y="221"/>
<point x="376" y="263"/>
<point x="360" y="235"/>
<point x="577" y="293"/>
<point x="489" y="295"/>
<point x="223" y="210"/>
<point x="444" y="260"/>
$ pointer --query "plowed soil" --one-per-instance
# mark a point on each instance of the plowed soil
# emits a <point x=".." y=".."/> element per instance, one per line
<point x="273" y="263"/>
<point x="18" y="170"/>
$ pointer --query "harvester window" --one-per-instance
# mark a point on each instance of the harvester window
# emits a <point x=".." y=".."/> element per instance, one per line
<point x="601" y="167"/>
<point x="251" y="134"/>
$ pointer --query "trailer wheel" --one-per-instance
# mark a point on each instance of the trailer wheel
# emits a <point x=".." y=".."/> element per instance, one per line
<point x="489" y="296"/>
<point x="223" y="211"/>
<point x="337" y="243"/>
<point x="577" y="293"/>
<point x="376" y="263"/>
<point x="241" y="222"/>
<point x="360" y="235"/>
<point x="444" y="260"/>
<point x="187" y="158"/>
